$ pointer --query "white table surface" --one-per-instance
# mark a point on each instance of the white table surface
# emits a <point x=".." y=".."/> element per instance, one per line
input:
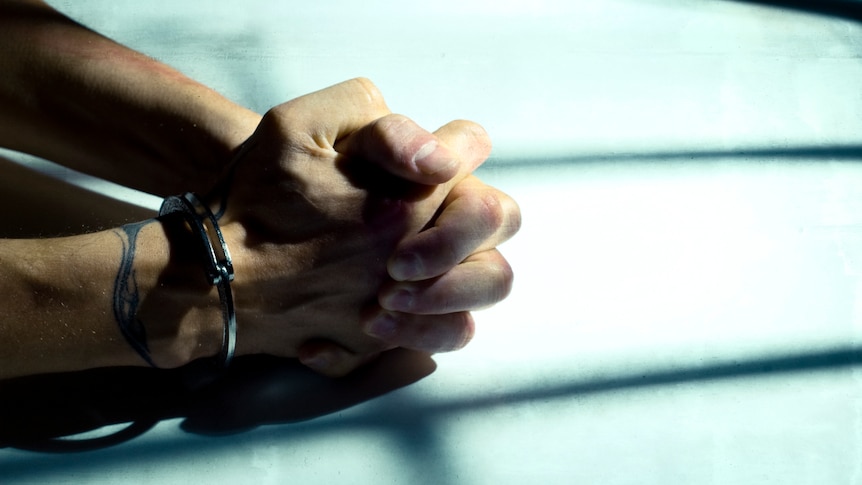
<point x="688" y="301"/>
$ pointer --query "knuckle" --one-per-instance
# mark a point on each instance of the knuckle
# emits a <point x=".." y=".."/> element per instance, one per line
<point x="386" y="134"/>
<point x="391" y="123"/>
<point x="492" y="211"/>
<point x="505" y="279"/>
<point x="277" y="118"/>
<point x="402" y="139"/>
<point x="370" y="91"/>
<point x="280" y="124"/>
<point x="511" y="219"/>
<point x="514" y="219"/>
<point x="481" y="141"/>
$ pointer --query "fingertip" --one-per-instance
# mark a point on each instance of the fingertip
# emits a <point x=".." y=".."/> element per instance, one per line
<point x="434" y="163"/>
<point x="469" y="140"/>
<point x="331" y="360"/>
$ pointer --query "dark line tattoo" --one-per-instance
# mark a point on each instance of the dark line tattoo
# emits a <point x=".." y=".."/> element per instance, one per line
<point x="126" y="297"/>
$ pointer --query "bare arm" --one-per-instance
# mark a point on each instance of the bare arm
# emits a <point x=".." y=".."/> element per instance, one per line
<point x="65" y="300"/>
<point x="75" y="97"/>
<point x="310" y="236"/>
<point x="78" y="98"/>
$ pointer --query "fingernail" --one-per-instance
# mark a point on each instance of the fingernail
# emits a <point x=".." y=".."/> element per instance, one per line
<point x="318" y="361"/>
<point x="405" y="266"/>
<point x="383" y="326"/>
<point x="401" y="300"/>
<point x="428" y="164"/>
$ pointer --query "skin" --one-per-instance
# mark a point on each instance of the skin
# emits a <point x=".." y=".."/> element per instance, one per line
<point x="77" y="98"/>
<point x="323" y="187"/>
<point x="316" y="162"/>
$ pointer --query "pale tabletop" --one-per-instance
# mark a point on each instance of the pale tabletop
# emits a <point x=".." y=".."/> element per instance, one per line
<point x="688" y="304"/>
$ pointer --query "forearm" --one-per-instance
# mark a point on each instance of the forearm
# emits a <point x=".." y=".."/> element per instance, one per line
<point x="63" y="301"/>
<point x="75" y="97"/>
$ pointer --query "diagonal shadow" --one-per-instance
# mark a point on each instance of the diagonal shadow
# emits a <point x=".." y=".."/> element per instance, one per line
<point x="802" y="362"/>
<point x="802" y="153"/>
<point x="848" y="9"/>
<point x="268" y="391"/>
<point x="256" y="390"/>
<point x="37" y="205"/>
<point x="263" y="390"/>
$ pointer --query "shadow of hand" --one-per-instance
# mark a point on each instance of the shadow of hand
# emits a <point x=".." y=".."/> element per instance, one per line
<point x="254" y="391"/>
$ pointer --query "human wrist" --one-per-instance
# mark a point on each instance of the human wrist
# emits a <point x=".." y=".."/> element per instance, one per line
<point x="184" y="312"/>
<point x="61" y="298"/>
<point x="220" y="127"/>
<point x="161" y="303"/>
<point x="216" y="259"/>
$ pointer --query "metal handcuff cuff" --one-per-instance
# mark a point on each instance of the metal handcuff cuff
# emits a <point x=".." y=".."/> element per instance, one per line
<point x="218" y="263"/>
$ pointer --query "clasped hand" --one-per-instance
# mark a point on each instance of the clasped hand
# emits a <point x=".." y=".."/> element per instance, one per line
<point x="354" y="231"/>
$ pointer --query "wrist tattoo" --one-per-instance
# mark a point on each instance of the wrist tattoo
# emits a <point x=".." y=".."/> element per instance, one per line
<point x="126" y="297"/>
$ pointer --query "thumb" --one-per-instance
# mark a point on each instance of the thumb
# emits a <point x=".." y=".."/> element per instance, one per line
<point x="402" y="148"/>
